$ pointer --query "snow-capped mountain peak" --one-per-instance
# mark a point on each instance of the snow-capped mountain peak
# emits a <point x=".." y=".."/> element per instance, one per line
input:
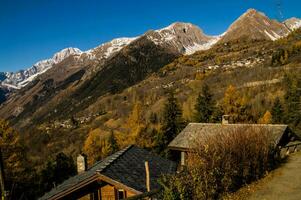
<point x="21" y="78"/>
<point x="293" y="23"/>
<point x="61" y="55"/>
<point x="255" y="25"/>
<point x="185" y="38"/>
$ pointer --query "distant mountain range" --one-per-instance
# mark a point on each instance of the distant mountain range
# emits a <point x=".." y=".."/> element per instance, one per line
<point x="72" y="80"/>
<point x="184" y="38"/>
<point x="173" y="36"/>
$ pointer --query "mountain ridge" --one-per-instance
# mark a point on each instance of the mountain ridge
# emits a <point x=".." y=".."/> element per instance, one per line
<point x="255" y="25"/>
<point x="252" y="23"/>
<point x="23" y="77"/>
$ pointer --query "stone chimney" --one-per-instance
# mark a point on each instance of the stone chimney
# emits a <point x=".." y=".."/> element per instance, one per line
<point x="81" y="163"/>
<point x="225" y="119"/>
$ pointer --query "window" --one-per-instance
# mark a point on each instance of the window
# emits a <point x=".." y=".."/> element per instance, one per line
<point x="121" y="194"/>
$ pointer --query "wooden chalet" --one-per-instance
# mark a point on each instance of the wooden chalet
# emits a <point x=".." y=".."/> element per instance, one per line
<point x="280" y="136"/>
<point x="118" y="176"/>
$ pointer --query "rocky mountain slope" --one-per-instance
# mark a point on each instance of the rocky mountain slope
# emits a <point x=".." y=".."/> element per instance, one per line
<point x="2" y="76"/>
<point x="109" y="68"/>
<point x="256" y="25"/>
<point x="185" y="38"/>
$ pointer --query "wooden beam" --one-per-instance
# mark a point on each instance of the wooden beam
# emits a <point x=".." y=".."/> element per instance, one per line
<point x="117" y="184"/>
<point x="147" y="176"/>
<point x="144" y="195"/>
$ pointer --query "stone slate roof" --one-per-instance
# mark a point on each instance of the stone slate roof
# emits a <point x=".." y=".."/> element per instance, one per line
<point x="196" y="131"/>
<point x="126" y="166"/>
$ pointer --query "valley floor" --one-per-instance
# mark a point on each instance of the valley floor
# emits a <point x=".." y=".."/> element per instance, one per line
<point x="283" y="183"/>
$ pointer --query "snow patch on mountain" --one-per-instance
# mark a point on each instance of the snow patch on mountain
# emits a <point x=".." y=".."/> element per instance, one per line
<point x="109" y="48"/>
<point x="273" y="36"/>
<point x="60" y="56"/>
<point x="30" y="78"/>
<point x="117" y="45"/>
<point x="293" y="23"/>
<point x="199" y="47"/>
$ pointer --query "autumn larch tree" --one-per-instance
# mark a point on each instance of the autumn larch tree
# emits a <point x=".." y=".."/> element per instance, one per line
<point x="98" y="145"/>
<point x="266" y="118"/>
<point x="13" y="151"/>
<point x="235" y="105"/>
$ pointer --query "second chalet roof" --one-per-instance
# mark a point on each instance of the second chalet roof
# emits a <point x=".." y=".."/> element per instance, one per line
<point x="196" y="131"/>
<point x="126" y="166"/>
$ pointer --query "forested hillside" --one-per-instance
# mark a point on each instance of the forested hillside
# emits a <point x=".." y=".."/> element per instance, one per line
<point x="252" y="80"/>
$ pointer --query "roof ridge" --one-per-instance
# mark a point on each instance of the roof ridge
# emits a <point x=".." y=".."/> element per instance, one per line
<point x="231" y="124"/>
<point x="113" y="158"/>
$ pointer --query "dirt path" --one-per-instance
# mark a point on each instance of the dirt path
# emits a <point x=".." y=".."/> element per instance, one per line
<point x="282" y="184"/>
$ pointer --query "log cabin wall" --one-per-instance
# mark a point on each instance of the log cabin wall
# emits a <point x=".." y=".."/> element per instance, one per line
<point x="108" y="192"/>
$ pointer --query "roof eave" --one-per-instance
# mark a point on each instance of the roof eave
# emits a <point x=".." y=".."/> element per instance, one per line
<point x="176" y="148"/>
<point x="117" y="183"/>
<point x="72" y="189"/>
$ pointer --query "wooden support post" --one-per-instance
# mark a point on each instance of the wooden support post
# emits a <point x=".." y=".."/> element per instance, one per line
<point x="147" y="176"/>
<point x="287" y="151"/>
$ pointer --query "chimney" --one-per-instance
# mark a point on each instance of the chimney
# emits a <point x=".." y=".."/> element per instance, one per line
<point x="81" y="163"/>
<point x="225" y="119"/>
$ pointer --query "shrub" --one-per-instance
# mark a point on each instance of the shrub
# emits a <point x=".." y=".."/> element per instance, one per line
<point x="222" y="164"/>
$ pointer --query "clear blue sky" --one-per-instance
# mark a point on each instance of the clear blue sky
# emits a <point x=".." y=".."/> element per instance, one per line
<point x="31" y="30"/>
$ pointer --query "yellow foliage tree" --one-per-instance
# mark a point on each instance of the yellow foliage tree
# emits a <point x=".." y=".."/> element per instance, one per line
<point x="266" y="118"/>
<point x="98" y="145"/>
<point x="234" y="104"/>
<point x="134" y="124"/>
<point x="188" y="108"/>
<point x="135" y="118"/>
<point x="13" y="152"/>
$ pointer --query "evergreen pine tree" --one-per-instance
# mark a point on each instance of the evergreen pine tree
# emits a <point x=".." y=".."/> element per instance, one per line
<point x="204" y="106"/>
<point x="172" y="123"/>
<point x="277" y="112"/>
<point x="293" y="100"/>
<point x="112" y="141"/>
<point x="56" y="171"/>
